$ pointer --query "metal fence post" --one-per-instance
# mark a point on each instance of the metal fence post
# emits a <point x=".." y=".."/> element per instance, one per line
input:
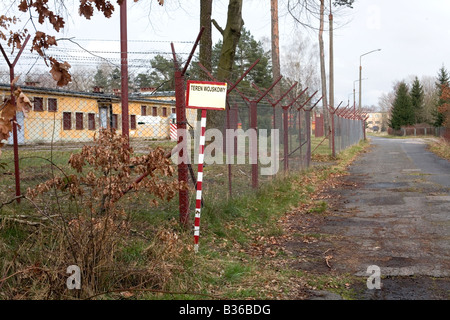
<point x="300" y="136"/>
<point x="285" y="138"/>
<point x="333" y="135"/>
<point x="13" y="101"/>
<point x="254" y="126"/>
<point x="308" y="136"/>
<point x="182" y="165"/>
<point x="180" y="98"/>
<point x="124" y="70"/>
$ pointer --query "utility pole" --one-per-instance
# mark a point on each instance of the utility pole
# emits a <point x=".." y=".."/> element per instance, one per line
<point x="276" y="68"/>
<point x="360" y="73"/>
<point x="331" y="60"/>
<point x="124" y="69"/>
<point x="323" y="78"/>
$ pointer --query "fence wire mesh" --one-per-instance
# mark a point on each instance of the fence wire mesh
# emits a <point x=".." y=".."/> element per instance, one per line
<point x="347" y="132"/>
<point x="62" y="121"/>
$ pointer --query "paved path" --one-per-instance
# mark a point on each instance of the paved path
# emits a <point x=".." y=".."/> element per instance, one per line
<point x="393" y="211"/>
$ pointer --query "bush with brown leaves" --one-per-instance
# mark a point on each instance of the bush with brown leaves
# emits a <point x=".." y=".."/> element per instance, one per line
<point x="89" y="219"/>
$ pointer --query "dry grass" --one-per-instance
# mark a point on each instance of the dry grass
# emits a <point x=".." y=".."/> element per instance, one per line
<point x="441" y="148"/>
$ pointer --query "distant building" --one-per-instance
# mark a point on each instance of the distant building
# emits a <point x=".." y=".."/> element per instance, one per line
<point x="377" y="121"/>
<point x="70" y="116"/>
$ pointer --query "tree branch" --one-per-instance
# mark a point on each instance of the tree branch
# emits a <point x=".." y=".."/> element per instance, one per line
<point x="219" y="28"/>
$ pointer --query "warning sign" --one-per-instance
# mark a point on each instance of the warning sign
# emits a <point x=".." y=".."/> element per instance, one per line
<point x="206" y="95"/>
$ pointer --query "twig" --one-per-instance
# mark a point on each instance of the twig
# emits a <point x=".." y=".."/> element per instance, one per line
<point x="139" y="234"/>
<point x="243" y="173"/>
<point x="30" y="223"/>
<point x="11" y="201"/>
<point x="328" y="258"/>
<point x="155" y="291"/>
<point x="14" y="274"/>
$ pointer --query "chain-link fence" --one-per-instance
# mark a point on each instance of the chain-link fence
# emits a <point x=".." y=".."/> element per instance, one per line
<point x="418" y="131"/>
<point x="248" y="150"/>
<point x="62" y="121"/>
<point x="346" y="132"/>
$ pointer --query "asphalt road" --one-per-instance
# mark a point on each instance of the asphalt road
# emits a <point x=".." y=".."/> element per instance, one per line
<point x="393" y="212"/>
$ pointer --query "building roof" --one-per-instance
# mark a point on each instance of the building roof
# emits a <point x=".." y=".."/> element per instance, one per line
<point x="134" y="97"/>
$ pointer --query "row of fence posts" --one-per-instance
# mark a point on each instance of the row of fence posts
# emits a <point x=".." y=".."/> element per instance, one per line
<point x="184" y="169"/>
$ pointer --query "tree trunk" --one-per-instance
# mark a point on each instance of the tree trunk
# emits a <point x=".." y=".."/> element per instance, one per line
<point x="276" y="69"/>
<point x="206" y="41"/>
<point x="331" y="60"/>
<point x="322" y="69"/>
<point x="231" y="36"/>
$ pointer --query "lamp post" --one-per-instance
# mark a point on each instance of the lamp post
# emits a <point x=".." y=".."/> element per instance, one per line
<point x="360" y="72"/>
<point x="354" y="92"/>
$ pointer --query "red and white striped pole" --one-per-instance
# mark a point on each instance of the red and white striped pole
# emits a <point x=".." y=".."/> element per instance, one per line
<point x="198" y="202"/>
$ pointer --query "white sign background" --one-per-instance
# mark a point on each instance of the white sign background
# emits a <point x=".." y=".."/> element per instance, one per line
<point x="206" y="95"/>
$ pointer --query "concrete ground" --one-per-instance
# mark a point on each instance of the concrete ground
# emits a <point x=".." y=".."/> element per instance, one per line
<point x="393" y="212"/>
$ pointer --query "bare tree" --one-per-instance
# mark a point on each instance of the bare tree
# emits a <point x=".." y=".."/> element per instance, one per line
<point x="300" y="64"/>
<point x="306" y="13"/>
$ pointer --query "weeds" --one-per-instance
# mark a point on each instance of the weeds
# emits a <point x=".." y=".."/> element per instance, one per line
<point x="86" y="223"/>
<point x="441" y="148"/>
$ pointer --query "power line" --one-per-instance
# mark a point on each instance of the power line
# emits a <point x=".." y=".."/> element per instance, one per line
<point x="146" y="41"/>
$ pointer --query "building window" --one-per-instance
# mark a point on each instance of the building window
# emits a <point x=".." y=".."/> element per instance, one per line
<point x="38" y="104"/>
<point x="164" y="112"/>
<point x="174" y="110"/>
<point x="154" y="111"/>
<point x="67" y="121"/>
<point x="78" y="121"/>
<point x="114" y="121"/>
<point x="133" y="122"/>
<point x="52" y="105"/>
<point x="143" y="110"/>
<point x="91" y="121"/>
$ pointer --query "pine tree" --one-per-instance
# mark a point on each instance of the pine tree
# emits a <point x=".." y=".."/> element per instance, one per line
<point x="248" y="51"/>
<point x="402" y="110"/>
<point x="442" y="81"/>
<point x="417" y="100"/>
<point x="100" y="79"/>
<point x="114" y="79"/>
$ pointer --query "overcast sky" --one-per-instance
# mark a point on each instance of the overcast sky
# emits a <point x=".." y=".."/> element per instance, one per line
<point x="412" y="35"/>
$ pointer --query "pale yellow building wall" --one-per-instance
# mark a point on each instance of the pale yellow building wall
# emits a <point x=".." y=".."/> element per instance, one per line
<point x="47" y="126"/>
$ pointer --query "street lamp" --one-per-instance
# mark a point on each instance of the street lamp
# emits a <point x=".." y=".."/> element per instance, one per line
<point x="360" y="71"/>
<point x="354" y="92"/>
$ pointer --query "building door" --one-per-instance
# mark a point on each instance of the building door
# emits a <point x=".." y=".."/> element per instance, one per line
<point x="20" y="130"/>
<point x="103" y="111"/>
